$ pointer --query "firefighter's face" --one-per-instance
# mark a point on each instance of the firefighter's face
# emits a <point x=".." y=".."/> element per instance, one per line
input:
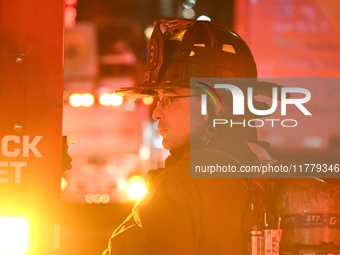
<point x="176" y="124"/>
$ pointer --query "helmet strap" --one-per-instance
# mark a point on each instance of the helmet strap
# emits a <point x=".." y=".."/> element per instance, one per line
<point x="208" y="134"/>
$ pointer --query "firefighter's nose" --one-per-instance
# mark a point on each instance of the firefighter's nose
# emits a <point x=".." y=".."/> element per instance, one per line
<point x="158" y="113"/>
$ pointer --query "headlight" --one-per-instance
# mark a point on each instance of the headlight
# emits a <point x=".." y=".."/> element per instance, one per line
<point x="13" y="236"/>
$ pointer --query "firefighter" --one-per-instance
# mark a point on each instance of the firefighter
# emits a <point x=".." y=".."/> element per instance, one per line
<point x="183" y="215"/>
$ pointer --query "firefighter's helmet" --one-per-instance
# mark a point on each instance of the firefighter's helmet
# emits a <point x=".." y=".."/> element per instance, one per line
<point x="180" y="49"/>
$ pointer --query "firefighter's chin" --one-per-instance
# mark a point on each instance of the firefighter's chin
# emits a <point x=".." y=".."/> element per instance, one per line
<point x="171" y="143"/>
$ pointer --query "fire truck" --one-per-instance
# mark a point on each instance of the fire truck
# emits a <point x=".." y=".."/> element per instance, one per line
<point x="31" y="100"/>
<point x="32" y="93"/>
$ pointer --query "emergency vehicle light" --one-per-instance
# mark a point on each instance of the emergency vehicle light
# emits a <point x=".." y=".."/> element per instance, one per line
<point x="13" y="236"/>
<point x="136" y="188"/>
<point x="107" y="99"/>
<point x="77" y="100"/>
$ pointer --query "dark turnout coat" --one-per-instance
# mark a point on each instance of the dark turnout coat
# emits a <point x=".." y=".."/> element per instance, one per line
<point x="184" y="215"/>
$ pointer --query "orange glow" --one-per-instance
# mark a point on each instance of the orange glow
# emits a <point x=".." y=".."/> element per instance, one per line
<point x="13" y="236"/>
<point x="147" y="100"/>
<point x="71" y="2"/>
<point x="70" y="16"/>
<point x="63" y="184"/>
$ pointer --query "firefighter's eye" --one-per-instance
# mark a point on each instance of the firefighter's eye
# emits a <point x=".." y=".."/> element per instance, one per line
<point x="165" y="101"/>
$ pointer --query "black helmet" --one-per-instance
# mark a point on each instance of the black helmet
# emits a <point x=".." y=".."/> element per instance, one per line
<point x="180" y="49"/>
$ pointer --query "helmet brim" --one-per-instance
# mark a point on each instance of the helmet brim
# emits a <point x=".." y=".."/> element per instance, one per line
<point x="147" y="90"/>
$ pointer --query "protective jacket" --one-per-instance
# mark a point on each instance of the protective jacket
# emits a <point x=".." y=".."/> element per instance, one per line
<point x="184" y="215"/>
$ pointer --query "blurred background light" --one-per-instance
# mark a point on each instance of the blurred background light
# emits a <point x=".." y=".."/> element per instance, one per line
<point x="188" y="4"/>
<point x="97" y="198"/>
<point x="75" y="100"/>
<point x="105" y="198"/>
<point x="188" y="13"/>
<point x="144" y="152"/>
<point x="116" y="100"/>
<point x="313" y="142"/>
<point x="87" y="100"/>
<point x="63" y="183"/>
<point x="105" y="99"/>
<point x="147" y="100"/>
<point x="70" y="16"/>
<point x="148" y="31"/>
